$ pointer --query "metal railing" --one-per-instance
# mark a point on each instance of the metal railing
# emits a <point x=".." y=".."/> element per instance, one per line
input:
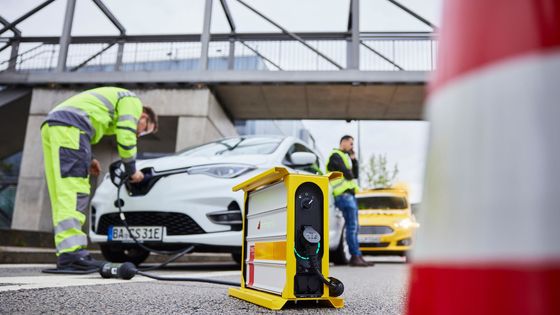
<point x="272" y="52"/>
<point x="285" y="50"/>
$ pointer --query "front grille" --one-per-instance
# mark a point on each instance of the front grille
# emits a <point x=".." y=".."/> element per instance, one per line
<point x="374" y="244"/>
<point x="233" y="206"/>
<point x="175" y="223"/>
<point x="375" y="229"/>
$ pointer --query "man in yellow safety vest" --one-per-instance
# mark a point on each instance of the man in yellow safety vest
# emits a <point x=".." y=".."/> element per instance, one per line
<point x="344" y="160"/>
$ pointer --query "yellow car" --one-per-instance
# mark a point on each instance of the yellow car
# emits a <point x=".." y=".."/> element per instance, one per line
<point x="386" y="221"/>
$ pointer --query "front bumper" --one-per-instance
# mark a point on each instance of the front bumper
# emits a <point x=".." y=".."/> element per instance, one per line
<point x="196" y="196"/>
<point x="399" y="241"/>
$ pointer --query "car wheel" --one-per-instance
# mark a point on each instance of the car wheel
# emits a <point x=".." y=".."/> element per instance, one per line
<point x="116" y="253"/>
<point x="341" y="255"/>
<point x="237" y="258"/>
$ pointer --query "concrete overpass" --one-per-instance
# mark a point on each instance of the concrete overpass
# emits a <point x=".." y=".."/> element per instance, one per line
<point x="350" y="94"/>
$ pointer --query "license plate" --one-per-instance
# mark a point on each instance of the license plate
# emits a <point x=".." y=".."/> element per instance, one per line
<point x="369" y="239"/>
<point x="141" y="233"/>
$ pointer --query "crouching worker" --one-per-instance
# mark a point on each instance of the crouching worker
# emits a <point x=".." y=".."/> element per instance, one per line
<point x="67" y="135"/>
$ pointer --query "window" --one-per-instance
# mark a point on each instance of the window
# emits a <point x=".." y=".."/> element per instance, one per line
<point x="234" y="146"/>
<point x="382" y="203"/>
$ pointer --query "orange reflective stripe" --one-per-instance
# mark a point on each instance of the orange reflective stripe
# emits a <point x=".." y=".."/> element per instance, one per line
<point x="270" y="250"/>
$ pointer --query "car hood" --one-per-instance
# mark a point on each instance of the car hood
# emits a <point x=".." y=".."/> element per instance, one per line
<point x="174" y="161"/>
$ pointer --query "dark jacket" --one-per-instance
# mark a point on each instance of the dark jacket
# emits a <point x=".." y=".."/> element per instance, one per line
<point x="336" y="163"/>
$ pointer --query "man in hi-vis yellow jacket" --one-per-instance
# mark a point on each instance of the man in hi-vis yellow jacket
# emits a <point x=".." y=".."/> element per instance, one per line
<point x="67" y="135"/>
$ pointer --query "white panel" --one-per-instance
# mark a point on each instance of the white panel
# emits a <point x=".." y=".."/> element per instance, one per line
<point x="266" y="221"/>
<point x="266" y="226"/>
<point x="493" y="166"/>
<point x="270" y="276"/>
<point x="269" y="198"/>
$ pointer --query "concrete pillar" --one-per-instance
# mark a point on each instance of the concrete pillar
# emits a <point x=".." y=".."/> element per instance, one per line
<point x="193" y="131"/>
<point x="198" y="130"/>
<point x="187" y="117"/>
<point x="200" y="116"/>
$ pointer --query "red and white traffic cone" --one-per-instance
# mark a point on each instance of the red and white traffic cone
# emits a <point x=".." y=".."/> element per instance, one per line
<point x="490" y="236"/>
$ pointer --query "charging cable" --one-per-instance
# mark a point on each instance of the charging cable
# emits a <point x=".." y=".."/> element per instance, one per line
<point x="128" y="270"/>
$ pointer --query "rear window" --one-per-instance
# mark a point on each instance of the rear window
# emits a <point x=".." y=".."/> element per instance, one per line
<point x="382" y="202"/>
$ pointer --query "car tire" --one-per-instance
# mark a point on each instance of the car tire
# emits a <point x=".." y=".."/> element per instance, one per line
<point x="119" y="254"/>
<point x="237" y="258"/>
<point x="341" y="255"/>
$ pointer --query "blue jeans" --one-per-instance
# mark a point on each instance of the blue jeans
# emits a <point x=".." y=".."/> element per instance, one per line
<point x="349" y="207"/>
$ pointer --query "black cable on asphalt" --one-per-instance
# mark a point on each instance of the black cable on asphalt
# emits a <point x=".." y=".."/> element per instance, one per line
<point x="170" y="260"/>
<point x="204" y="280"/>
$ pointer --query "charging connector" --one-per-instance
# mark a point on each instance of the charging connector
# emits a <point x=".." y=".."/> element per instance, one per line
<point x="311" y="240"/>
<point x="124" y="271"/>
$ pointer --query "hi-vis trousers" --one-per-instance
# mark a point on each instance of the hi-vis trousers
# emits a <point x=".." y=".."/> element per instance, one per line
<point x="67" y="155"/>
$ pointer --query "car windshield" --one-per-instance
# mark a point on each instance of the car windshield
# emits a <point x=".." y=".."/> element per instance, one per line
<point x="234" y="146"/>
<point x="382" y="202"/>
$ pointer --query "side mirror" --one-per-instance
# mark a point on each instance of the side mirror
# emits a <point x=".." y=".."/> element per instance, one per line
<point x="303" y="158"/>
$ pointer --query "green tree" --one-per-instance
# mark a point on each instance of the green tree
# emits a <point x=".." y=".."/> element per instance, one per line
<point x="377" y="174"/>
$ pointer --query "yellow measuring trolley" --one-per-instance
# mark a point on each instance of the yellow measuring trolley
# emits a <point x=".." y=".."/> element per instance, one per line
<point x="285" y="240"/>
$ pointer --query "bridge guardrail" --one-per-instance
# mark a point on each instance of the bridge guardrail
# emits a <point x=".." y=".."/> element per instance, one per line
<point x="272" y="52"/>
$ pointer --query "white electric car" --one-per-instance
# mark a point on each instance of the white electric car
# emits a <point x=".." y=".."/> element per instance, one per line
<point x="195" y="205"/>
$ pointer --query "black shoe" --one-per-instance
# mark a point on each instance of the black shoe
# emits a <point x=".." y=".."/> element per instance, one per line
<point x="369" y="263"/>
<point x="78" y="260"/>
<point x="357" y="261"/>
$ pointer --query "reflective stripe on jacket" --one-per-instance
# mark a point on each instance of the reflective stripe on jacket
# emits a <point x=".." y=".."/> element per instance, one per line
<point x="103" y="111"/>
<point x="341" y="185"/>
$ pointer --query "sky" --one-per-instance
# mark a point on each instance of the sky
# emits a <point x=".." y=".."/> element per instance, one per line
<point x="186" y="16"/>
<point x="404" y="143"/>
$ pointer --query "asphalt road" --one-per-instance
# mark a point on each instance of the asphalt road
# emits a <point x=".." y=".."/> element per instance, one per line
<point x="23" y="289"/>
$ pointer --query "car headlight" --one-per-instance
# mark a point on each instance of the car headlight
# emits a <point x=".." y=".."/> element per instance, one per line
<point x="221" y="170"/>
<point x="405" y="223"/>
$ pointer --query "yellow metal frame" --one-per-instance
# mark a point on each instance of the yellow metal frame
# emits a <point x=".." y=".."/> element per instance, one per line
<point x="291" y="182"/>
